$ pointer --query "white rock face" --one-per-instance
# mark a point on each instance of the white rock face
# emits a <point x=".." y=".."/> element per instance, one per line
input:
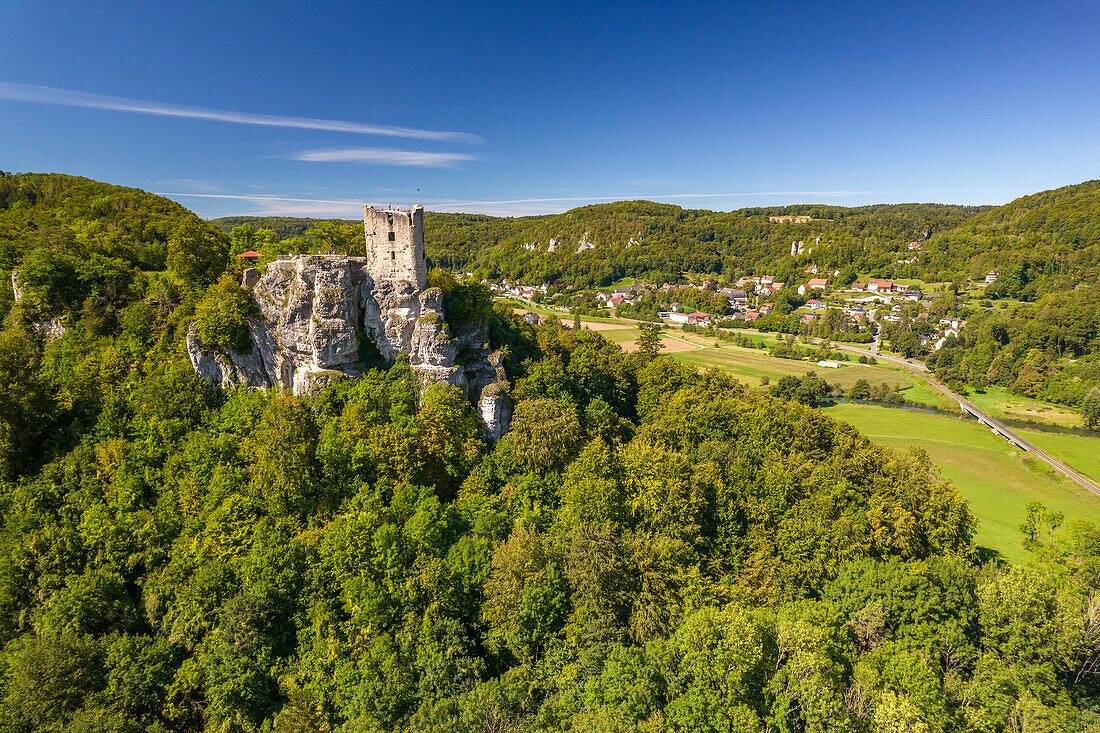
<point x="53" y="328"/>
<point x="315" y="312"/>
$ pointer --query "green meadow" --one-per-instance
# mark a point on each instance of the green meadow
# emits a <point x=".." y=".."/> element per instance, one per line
<point x="1081" y="452"/>
<point x="997" y="479"/>
<point x="1003" y="404"/>
<point x="750" y="366"/>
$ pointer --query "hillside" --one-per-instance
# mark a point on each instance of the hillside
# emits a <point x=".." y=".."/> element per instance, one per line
<point x="284" y="227"/>
<point x="1067" y="215"/>
<point x="81" y="215"/>
<point x="1040" y="243"/>
<point x="1046" y="241"/>
<point x="82" y="245"/>
<point x="596" y="245"/>
<point x="649" y="547"/>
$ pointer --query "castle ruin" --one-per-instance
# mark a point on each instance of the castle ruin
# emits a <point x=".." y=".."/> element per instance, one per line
<point x="317" y="311"/>
<point x="395" y="245"/>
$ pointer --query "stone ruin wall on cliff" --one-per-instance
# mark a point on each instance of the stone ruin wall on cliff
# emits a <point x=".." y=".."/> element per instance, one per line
<point x="395" y="245"/>
<point x="315" y="309"/>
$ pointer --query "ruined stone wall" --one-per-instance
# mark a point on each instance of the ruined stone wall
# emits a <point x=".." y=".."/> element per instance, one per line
<point x="395" y="246"/>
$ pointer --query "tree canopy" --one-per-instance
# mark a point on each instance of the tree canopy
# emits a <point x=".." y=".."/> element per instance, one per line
<point x="647" y="548"/>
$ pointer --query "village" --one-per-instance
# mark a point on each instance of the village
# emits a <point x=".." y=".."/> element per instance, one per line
<point x="857" y="311"/>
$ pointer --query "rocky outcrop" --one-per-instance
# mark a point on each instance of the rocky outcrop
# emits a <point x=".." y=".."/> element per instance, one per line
<point x="317" y="312"/>
<point x="50" y="328"/>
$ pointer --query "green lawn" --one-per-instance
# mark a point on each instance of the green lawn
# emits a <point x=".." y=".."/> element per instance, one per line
<point x="994" y="477"/>
<point x="1000" y="403"/>
<point x="746" y="365"/>
<point x="856" y="345"/>
<point x="759" y="338"/>
<point x="750" y="365"/>
<point x="1080" y="452"/>
<point x="627" y="334"/>
<point x="923" y="393"/>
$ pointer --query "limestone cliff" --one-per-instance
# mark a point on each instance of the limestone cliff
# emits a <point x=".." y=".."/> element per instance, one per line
<point x="51" y="328"/>
<point x="317" y="310"/>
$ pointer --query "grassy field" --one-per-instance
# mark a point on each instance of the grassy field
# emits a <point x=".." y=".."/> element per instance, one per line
<point x="750" y="365"/>
<point x="999" y="403"/>
<point x="996" y="479"/>
<point x="746" y="365"/>
<point x="923" y="393"/>
<point x="1080" y="452"/>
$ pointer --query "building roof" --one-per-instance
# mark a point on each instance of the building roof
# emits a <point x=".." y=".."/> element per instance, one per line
<point x="250" y="253"/>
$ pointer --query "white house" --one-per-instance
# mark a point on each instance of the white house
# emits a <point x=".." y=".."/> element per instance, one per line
<point x="943" y="339"/>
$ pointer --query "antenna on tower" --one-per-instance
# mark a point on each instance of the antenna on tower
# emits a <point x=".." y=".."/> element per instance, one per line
<point x="418" y="197"/>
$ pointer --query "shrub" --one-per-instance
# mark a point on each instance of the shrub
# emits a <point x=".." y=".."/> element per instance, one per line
<point x="221" y="317"/>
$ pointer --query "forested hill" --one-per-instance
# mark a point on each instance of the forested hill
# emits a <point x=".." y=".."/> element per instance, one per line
<point x="595" y="245"/>
<point x="1041" y="243"/>
<point x="284" y="227"/>
<point x="647" y="548"/>
<point x="1045" y="241"/>
<point x="86" y="217"/>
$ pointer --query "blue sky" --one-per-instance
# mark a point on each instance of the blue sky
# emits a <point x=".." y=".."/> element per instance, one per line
<point x="510" y="108"/>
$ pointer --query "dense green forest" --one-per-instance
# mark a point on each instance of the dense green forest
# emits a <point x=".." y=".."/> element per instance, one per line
<point x="648" y="548"/>
<point x="1041" y="243"/>
<point x="1049" y="349"/>
<point x="283" y="227"/>
<point x="661" y="241"/>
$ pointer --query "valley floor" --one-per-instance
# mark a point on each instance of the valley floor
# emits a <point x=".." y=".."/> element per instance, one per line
<point x="997" y="479"/>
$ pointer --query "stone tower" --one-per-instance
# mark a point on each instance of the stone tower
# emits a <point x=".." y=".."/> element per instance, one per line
<point x="395" y="245"/>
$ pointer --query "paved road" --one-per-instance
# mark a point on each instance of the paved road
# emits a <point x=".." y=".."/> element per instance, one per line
<point x="993" y="423"/>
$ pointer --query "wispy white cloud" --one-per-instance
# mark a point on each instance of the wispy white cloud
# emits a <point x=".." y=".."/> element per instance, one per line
<point x="70" y="98"/>
<point x="385" y="156"/>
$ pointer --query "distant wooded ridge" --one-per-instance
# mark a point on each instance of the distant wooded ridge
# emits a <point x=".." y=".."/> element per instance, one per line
<point x="1047" y="241"/>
